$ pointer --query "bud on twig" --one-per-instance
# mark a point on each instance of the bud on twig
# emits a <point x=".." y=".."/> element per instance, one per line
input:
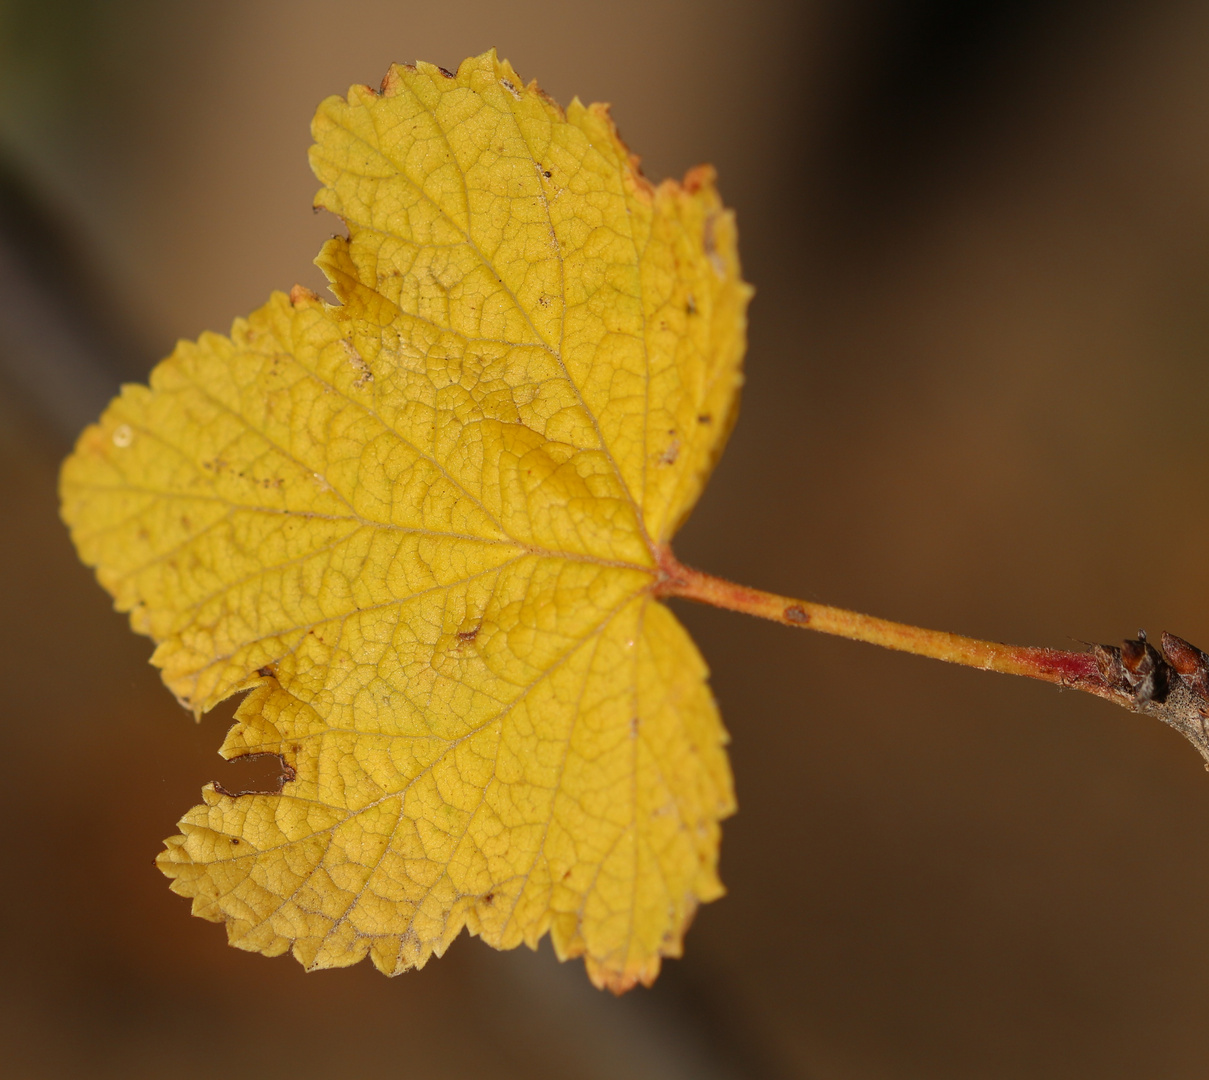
<point x="1189" y="662"/>
<point x="1172" y="685"/>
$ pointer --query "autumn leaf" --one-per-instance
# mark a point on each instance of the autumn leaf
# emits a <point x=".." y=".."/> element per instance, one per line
<point x="423" y="529"/>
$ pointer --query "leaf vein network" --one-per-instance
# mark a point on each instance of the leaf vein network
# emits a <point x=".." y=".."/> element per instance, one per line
<point x="489" y="265"/>
<point x="580" y="643"/>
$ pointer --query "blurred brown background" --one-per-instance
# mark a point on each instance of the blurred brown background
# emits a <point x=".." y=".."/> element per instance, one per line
<point x="978" y="379"/>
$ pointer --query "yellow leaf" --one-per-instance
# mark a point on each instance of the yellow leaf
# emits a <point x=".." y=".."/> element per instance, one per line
<point x="423" y="527"/>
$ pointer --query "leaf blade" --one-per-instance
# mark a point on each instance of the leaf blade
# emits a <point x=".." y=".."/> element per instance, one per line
<point x="422" y="528"/>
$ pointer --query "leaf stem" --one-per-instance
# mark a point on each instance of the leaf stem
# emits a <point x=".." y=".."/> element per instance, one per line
<point x="1078" y="670"/>
<point x="1171" y="685"/>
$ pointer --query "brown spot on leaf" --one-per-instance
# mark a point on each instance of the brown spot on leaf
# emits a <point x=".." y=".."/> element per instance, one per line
<point x="469" y="635"/>
<point x="364" y="374"/>
<point x="795" y="613"/>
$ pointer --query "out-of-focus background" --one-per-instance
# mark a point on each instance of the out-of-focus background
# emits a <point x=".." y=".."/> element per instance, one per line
<point x="977" y="399"/>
